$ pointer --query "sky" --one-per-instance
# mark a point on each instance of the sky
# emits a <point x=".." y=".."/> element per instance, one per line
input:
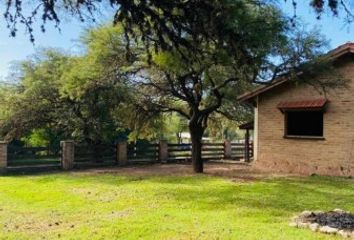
<point x="19" y="48"/>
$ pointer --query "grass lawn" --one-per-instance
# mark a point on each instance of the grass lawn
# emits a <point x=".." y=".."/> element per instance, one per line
<point x="83" y="205"/>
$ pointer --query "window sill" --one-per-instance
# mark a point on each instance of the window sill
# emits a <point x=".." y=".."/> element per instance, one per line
<point x="304" y="137"/>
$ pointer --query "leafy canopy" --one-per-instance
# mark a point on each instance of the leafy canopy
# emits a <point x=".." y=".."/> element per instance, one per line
<point x="161" y="23"/>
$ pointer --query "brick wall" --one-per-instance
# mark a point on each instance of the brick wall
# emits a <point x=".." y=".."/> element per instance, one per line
<point x="332" y="156"/>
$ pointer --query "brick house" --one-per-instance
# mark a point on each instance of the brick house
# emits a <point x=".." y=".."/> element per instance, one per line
<point x="299" y="130"/>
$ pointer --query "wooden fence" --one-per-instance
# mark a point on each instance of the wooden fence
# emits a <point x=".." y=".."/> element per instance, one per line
<point x="179" y="152"/>
<point x="237" y="149"/>
<point x="33" y="156"/>
<point x="142" y="152"/>
<point x="90" y="155"/>
<point x="78" y="155"/>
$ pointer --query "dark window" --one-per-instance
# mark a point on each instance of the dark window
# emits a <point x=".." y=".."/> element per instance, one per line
<point x="304" y="123"/>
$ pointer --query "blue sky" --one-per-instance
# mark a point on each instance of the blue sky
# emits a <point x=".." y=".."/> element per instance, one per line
<point x="18" y="48"/>
<point x="333" y="28"/>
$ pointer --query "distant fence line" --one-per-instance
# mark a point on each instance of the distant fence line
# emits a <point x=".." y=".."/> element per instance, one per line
<point x="71" y="155"/>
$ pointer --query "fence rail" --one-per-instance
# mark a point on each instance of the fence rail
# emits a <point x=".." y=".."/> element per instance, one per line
<point x="210" y="151"/>
<point x="31" y="156"/>
<point x="143" y="152"/>
<point x="237" y="150"/>
<point x="95" y="154"/>
<point x="179" y="152"/>
<point x="213" y="151"/>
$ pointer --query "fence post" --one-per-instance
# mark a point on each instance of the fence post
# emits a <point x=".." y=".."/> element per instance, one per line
<point x="122" y="157"/>
<point x="67" y="155"/>
<point x="227" y="149"/>
<point x="3" y="156"/>
<point x="247" y="146"/>
<point x="163" y="151"/>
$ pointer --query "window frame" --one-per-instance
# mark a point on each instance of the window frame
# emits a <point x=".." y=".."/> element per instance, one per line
<point x="310" y="137"/>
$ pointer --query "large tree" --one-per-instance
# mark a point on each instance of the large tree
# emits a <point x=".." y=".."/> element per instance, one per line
<point x="55" y="96"/>
<point x="71" y="97"/>
<point x="257" y="47"/>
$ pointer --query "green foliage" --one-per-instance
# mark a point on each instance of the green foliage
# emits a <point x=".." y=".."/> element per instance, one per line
<point x="221" y="128"/>
<point x="38" y="138"/>
<point x="84" y="98"/>
<point x="30" y="103"/>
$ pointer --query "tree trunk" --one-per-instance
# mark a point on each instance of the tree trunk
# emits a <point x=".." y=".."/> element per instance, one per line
<point x="179" y="138"/>
<point x="196" y="132"/>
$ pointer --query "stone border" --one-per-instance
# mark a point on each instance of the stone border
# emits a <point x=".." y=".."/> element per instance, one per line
<point x="302" y="221"/>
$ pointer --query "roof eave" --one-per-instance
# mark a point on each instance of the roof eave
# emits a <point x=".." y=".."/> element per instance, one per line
<point x="334" y="54"/>
<point x="250" y="95"/>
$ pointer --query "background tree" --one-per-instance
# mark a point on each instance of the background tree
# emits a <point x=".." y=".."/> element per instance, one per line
<point x="93" y="88"/>
<point x="28" y="104"/>
<point x="221" y="128"/>
<point x="56" y="96"/>
<point x="68" y="97"/>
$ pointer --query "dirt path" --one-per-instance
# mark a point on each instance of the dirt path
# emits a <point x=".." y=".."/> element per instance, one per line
<point x="236" y="171"/>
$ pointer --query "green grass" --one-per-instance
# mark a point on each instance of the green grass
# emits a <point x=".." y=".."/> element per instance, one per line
<point x="83" y="206"/>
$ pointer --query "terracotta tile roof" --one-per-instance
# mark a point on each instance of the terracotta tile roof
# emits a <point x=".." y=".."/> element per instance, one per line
<point x="333" y="54"/>
<point x="303" y="104"/>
